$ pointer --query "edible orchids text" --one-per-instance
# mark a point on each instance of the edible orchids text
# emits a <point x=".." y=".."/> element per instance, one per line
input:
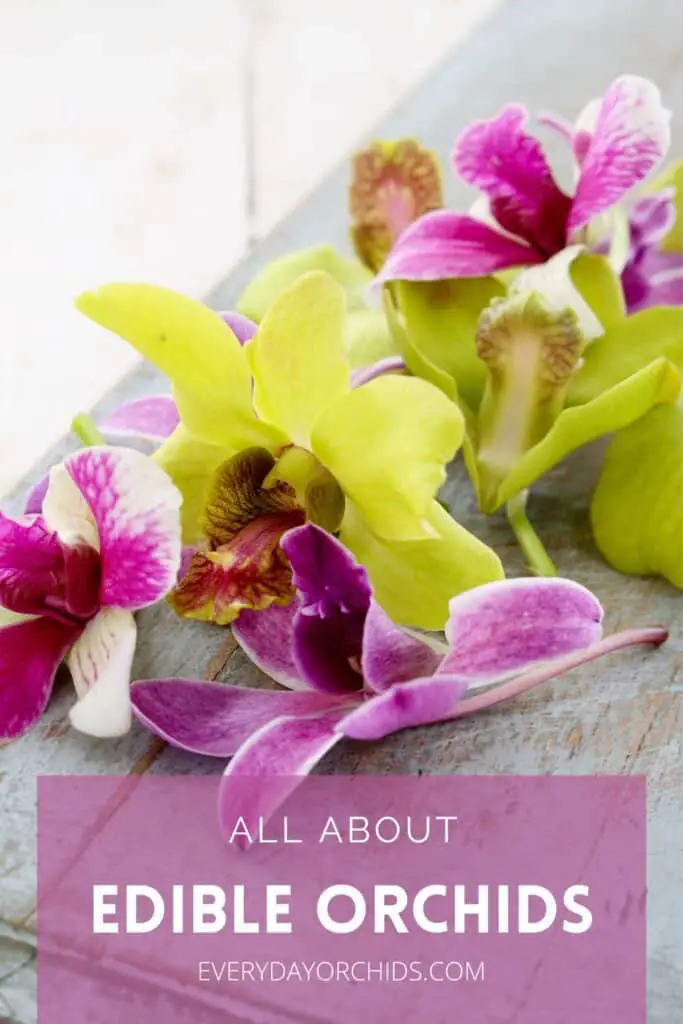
<point x="341" y="909"/>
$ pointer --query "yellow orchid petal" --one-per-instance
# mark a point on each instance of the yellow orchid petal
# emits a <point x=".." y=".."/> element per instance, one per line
<point x="191" y="465"/>
<point x="298" y="357"/>
<point x="387" y="443"/>
<point x="195" y="349"/>
<point x="414" y="580"/>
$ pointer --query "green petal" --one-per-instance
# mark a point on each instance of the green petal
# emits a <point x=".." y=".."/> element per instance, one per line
<point x="298" y="356"/>
<point x="387" y="444"/>
<point x="369" y="338"/>
<point x="672" y="176"/>
<point x="414" y="580"/>
<point x="441" y="319"/>
<point x="600" y="286"/>
<point x="628" y="347"/>
<point x="637" y="509"/>
<point x="194" y="348"/>
<point x="625" y="403"/>
<point x="262" y="291"/>
<point x="416" y="361"/>
<point x="191" y="464"/>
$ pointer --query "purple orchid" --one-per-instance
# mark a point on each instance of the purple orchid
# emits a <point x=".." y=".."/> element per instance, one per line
<point x="105" y="544"/>
<point x="352" y="673"/>
<point x="652" y="276"/>
<point x="617" y="142"/>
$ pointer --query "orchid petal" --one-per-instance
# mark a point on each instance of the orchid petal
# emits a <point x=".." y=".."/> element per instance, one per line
<point x="654" y="279"/>
<point x="554" y="281"/>
<point x="390" y="364"/>
<point x="334" y="595"/>
<point x="191" y="465"/>
<point x="368" y="338"/>
<point x="502" y="628"/>
<point x="390" y="655"/>
<point x="504" y="161"/>
<point x="653" y="217"/>
<point x="627" y="348"/>
<point x="658" y="383"/>
<point x="31" y="565"/>
<point x="637" y="508"/>
<point x="195" y="349"/>
<point x="280" y="274"/>
<point x="243" y="522"/>
<point x="277" y="757"/>
<point x="672" y="178"/>
<point x="135" y="509"/>
<point x="36" y="496"/>
<point x="241" y="326"/>
<point x="441" y="320"/>
<point x="298" y="358"/>
<point x="213" y="719"/>
<point x="153" y="418"/>
<point x="413" y="581"/>
<point x="632" y="136"/>
<point x="415" y="432"/>
<point x="444" y="245"/>
<point x="419" y="702"/>
<point x="100" y="664"/>
<point x="392" y="184"/>
<point x="267" y="638"/>
<point x="30" y="654"/>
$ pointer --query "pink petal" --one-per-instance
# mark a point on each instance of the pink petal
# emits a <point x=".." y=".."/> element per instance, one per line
<point x="419" y="702"/>
<point x="122" y="502"/>
<point x="442" y="245"/>
<point x="632" y="136"/>
<point x="30" y="654"/>
<point x="36" y="496"/>
<point x="390" y="655"/>
<point x="242" y="327"/>
<point x="501" y="159"/>
<point x="153" y="419"/>
<point x="364" y="374"/>
<point x="31" y="565"/>
<point x="100" y="664"/>
<point x="501" y="628"/>
<point x="277" y="757"/>
<point x="267" y="638"/>
<point x="213" y="719"/>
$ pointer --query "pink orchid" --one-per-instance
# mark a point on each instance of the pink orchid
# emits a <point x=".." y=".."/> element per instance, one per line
<point x="352" y="672"/>
<point x="105" y="544"/>
<point x="618" y="141"/>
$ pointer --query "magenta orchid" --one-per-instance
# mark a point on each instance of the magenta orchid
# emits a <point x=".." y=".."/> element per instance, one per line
<point x="617" y="142"/>
<point x="652" y="276"/>
<point x="105" y="543"/>
<point x="352" y="673"/>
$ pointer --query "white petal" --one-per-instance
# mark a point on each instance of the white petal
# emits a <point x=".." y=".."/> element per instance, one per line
<point x="553" y="281"/>
<point x="66" y="511"/>
<point x="100" y="663"/>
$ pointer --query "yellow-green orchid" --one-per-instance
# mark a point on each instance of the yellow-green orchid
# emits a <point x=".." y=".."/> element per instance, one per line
<point x="279" y="415"/>
<point x="532" y="387"/>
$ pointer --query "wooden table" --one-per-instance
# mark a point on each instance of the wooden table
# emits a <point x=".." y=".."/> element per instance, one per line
<point x="624" y="715"/>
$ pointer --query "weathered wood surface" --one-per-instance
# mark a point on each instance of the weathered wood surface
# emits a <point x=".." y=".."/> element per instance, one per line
<point x="624" y="715"/>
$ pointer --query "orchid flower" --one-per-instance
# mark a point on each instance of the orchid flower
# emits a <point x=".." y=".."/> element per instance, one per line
<point x="619" y="140"/>
<point x="105" y="544"/>
<point x="272" y="433"/>
<point x="653" y="273"/>
<point x="352" y="673"/>
<point x="531" y="388"/>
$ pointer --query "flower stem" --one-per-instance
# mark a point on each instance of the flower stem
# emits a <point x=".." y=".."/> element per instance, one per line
<point x="537" y="557"/>
<point x="86" y="431"/>
<point x="541" y="673"/>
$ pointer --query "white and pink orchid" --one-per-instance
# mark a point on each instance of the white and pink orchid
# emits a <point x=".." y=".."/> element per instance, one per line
<point x="104" y="543"/>
<point x="617" y="142"/>
<point x="351" y="672"/>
